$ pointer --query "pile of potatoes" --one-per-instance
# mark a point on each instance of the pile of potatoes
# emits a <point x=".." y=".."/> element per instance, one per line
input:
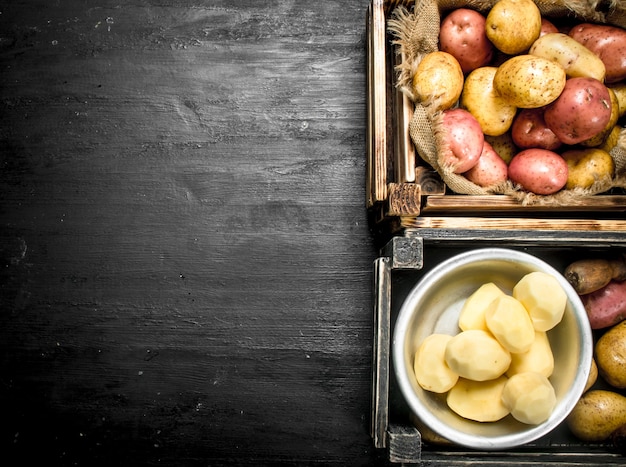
<point x="600" y="414"/>
<point x="524" y="100"/>
<point x="501" y="360"/>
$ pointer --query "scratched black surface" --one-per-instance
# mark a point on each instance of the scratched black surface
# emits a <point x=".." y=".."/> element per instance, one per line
<point x="185" y="258"/>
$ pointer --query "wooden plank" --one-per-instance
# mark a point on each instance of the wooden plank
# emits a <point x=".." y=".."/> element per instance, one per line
<point x="473" y="203"/>
<point x="378" y="94"/>
<point x="404" y="199"/>
<point x="516" y="224"/>
<point x="381" y="346"/>
<point x="404" y="149"/>
<point x="405" y="444"/>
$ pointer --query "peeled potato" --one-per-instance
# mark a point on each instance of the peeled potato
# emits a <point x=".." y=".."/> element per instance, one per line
<point x="538" y="358"/>
<point x="543" y="297"/>
<point x="431" y="370"/>
<point x="478" y="400"/>
<point x="530" y="397"/>
<point x="509" y="322"/>
<point x="472" y="314"/>
<point x="477" y="355"/>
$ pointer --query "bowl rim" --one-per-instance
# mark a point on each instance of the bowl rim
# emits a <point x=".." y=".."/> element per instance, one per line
<point x="506" y="440"/>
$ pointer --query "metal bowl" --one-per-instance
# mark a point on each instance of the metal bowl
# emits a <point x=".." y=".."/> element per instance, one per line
<point x="434" y="304"/>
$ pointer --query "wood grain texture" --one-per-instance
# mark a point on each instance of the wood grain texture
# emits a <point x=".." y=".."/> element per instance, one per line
<point x="186" y="263"/>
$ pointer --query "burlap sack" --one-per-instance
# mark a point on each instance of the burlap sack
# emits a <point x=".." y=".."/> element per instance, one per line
<point x="416" y="32"/>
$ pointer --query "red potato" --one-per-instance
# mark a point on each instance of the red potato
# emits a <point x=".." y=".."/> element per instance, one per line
<point x="464" y="139"/>
<point x="547" y="27"/>
<point x="607" y="306"/>
<point x="582" y="110"/>
<point x="529" y="130"/>
<point x="539" y="171"/>
<point x="608" y="43"/>
<point x="490" y="170"/>
<point x="462" y="35"/>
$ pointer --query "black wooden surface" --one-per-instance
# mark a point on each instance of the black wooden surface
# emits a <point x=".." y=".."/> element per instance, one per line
<point x="186" y="264"/>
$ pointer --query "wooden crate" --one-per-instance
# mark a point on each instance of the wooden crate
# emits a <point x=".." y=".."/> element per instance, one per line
<point x="402" y="262"/>
<point x="404" y="192"/>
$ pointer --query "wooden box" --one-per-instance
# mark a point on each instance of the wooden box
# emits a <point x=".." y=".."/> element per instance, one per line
<point x="404" y="192"/>
<point x="402" y="261"/>
<point x="417" y="222"/>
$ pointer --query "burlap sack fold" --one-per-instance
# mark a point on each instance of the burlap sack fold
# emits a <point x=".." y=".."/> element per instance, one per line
<point x="416" y="33"/>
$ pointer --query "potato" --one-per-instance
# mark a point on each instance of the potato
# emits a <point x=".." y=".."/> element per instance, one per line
<point x="464" y="140"/>
<point x="479" y="97"/>
<point x="576" y="59"/>
<point x="598" y="139"/>
<point x="528" y="81"/>
<point x="462" y="34"/>
<point x="529" y="130"/>
<point x="530" y="397"/>
<point x="538" y="358"/>
<point x="596" y="415"/>
<point x="607" y="42"/>
<point x="431" y="371"/>
<point x="539" y="171"/>
<point x="581" y="111"/>
<point x="510" y="324"/>
<point x="477" y="355"/>
<point x="610" y="354"/>
<point x="543" y="297"/>
<point x="611" y="140"/>
<point x="438" y="80"/>
<point x="590" y="274"/>
<point x="478" y="400"/>
<point x="503" y="145"/>
<point x="587" y="166"/>
<point x="593" y="376"/>
<point x="472" y="315"/>
<point x="607" y="306"/>
<point x="491" y="170"/>
<point x="513" y="25"/>
<point x="619" y="90"/>
<point x="547" y="27"/>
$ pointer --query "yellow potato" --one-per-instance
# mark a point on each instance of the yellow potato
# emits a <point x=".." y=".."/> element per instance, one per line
<point x="431" y="371"/>
<point x="479" y="97"/>
<point x="509" y="322"/>
<point x="472" y="315"/>
<point x="576" y="59"/>
<point x="587" y="166"/>
<point x="438" y="80"/>
<point x="543" y="297"/>
<point x="620" y="94"/>
<point x="503" y="145"/>
<point x="598" y="139"/>
<point x="527" y="81"/>
<point x="597" y="414"/>
<point x="611" y="140"/>
<point x="478" y="400"/>
<point x="513" y="25"/>
<point x="477" y="355"/>
<point x="530" y="397"/>
<point x="538" y="358"/>
<point x="610" y="351"/>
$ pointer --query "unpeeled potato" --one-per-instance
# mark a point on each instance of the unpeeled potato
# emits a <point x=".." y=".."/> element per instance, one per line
<point x="610" y="354"/>
<point x="597" y="414"/>
<point x="528" y="81"/>
<point x="587" y="166"/>
<point x="438" y="80"/>
<point x="513" y="25"/>
<point x="480" y="98"/>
